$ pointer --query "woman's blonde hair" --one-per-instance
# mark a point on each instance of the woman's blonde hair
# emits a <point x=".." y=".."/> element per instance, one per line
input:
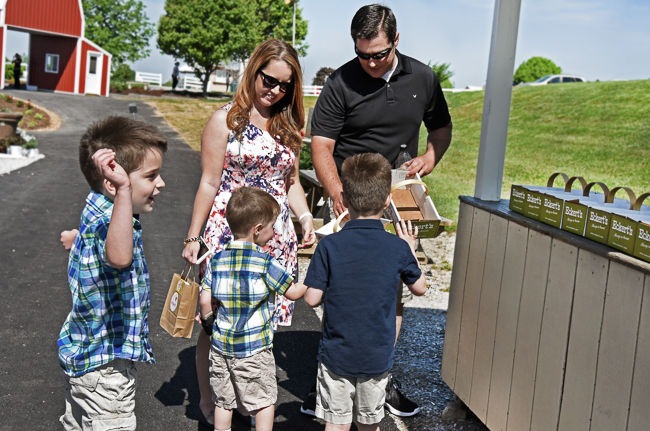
<point x="287" y="115"/>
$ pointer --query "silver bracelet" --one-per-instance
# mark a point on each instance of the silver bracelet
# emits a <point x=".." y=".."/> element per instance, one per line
<point x="307" y="214"/>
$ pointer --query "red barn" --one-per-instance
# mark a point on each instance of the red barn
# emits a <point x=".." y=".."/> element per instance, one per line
<point x="61" y="59"/>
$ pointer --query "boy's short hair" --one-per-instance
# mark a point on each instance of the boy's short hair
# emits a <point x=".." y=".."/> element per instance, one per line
<point x="129" y="139"/>
<point x="249" y="206"/>
<point x="366" y="180"/>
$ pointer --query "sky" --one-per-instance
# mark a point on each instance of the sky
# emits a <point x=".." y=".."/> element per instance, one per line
<point x="596" y="39"/>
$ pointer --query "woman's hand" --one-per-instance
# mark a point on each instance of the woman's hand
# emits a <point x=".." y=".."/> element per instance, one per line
<point x="308" y="232"/>
<point x="191" y="252"/>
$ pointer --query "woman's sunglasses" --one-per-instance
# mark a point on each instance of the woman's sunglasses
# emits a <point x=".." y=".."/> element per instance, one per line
<point x="271" y="82"/>
<point x="377" y="56"/>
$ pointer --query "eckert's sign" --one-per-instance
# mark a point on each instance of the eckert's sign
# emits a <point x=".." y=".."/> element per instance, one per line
<point x="621" y="228"/>
<point x="598" y="219"/>
<point x="568" y="211"/>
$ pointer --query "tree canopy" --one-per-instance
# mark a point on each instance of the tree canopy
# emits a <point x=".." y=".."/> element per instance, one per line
<point x="322" y="74"/>
<point x="204" y="33"/>
<point x="443" y="73"/>
<point x="535" y="68"/>
<point x="121" y="27"/>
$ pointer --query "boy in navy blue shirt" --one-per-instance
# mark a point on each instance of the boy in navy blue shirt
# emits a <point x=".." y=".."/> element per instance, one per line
<point x="355" y="274"/>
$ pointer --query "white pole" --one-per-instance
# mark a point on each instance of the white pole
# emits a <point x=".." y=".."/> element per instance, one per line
<point x="293" y="41"/>
<point x="496" y="106"/>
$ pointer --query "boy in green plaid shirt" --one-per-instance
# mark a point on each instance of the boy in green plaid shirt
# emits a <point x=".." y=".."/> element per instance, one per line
<point x="244" y="281"/>
<point x="107" y="330"/>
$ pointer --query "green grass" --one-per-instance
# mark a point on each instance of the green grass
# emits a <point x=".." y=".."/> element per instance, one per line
<point x="599" y="130"/>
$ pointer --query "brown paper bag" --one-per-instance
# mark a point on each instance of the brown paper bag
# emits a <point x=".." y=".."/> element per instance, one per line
<point x="180" y="307"/>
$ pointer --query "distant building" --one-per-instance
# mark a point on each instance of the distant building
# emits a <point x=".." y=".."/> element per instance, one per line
<point x="225" y="75"/>
<point x="61" y="59"/>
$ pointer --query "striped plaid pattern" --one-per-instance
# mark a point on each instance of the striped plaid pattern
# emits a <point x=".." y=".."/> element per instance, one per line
<point x="109" y="306"/>
<point x="244" y="280"/>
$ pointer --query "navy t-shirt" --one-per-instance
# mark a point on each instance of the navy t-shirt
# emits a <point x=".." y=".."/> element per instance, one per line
<point x="359" y="269"/>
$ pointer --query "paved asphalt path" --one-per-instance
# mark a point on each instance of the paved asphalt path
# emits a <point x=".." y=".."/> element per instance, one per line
<point x="38" y="202"/>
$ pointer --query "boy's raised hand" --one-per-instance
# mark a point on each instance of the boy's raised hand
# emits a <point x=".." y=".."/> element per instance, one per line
<point x="407" y="233"/>
<point x="109" y="169"/>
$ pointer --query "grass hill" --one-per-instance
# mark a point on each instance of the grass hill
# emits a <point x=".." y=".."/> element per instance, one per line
<point x="599" y="130"/>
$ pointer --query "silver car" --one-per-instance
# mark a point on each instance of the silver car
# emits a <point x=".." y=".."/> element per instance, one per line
<point x="555" y="79"/>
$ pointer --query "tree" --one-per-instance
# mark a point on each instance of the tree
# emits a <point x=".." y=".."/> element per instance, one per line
<point x="535" y="68"/>
<point x="443" y="73"/>
<point x="276" y="21"/>
<point x="120" y="27"/>
<point x="322" y="74"/>
<point x="205" y="33"/>
<point x="123" y="73"/>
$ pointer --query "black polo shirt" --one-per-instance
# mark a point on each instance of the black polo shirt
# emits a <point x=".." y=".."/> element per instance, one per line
<point x="359" y="269"/>
<point x="369" y="115"/>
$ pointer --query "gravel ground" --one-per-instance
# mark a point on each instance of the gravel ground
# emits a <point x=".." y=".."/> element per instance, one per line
<point x="419" y="350"/>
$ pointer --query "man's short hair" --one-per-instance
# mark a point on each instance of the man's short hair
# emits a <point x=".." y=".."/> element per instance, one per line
<point x="366" y="180"/>
<point x="249" y="206"/>
<point x="129" y="139"/>
<point x="372" y="19"/>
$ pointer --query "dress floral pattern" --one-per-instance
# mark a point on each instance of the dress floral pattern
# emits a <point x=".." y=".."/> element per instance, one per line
<point x="262" y="161"/>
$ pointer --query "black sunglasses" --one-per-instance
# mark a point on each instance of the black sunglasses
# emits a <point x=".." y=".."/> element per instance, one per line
<point x="271" y="82"/>
<point x="377" y="56"/>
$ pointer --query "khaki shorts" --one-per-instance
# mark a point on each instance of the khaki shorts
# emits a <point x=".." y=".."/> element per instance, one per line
<point x="247" y="382"/>
<point x="340" y="400"/>
<point x="103" y="399"/>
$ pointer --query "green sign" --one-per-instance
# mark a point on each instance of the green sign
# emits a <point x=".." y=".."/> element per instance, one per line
<point x="642" y="243"/>
<point x="551" y="212"/>
<point x="517" y="199"/>
<point x="574" y="218"/>
<point x="533" y="205"/>
<point x="622" y="234"/>
<point x="598" y="223"/>
<point x="426" y="229"/>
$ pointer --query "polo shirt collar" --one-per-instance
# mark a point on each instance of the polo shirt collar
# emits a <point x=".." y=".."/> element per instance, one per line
<point x="243" y="245"/>
<point x="364" y="224"/>
<point x="403" y="64"/>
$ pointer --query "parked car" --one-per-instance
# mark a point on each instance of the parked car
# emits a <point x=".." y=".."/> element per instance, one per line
<point x="555" y="79"/>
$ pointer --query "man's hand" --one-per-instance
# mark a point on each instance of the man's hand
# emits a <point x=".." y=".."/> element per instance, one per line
<point x="339" y="207"/>
<point x="422" y="165"/>
<point x="110" y="170"/>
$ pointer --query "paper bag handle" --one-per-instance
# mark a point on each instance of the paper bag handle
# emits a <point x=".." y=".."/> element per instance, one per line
<point x="190" y="269"/>
<point x="630" y="193"/>
<point x="639" y="201"/>
<point x="552" y="178"/>
<point x="569" y="184"/>
<point x="603" y="186"/>
<point x="407" y="182"/>
<point x="337" y="223"/>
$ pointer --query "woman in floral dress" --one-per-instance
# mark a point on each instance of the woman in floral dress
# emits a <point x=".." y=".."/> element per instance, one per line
<point x="253" y="141"/>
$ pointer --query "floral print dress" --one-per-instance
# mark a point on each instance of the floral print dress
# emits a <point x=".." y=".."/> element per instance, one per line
<point x="262" y="161"/>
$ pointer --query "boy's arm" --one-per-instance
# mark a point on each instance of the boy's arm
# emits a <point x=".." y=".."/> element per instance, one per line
<point x="119" y="239"/>
<point x="406" y="232"/>
<point x="295" y="291"/>
<point x="314" y="297"/>
<point x="205" y="303"/>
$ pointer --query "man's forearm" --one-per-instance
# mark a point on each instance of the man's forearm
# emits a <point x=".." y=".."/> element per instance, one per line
<point x="325" y="167"/>
<point x="438" y="142"/>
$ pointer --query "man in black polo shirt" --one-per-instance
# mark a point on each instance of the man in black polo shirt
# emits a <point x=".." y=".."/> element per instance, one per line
<point x="373" y="104"/>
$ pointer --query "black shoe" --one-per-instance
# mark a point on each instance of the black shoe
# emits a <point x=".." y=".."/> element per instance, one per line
<point x="396" y="402"/>
<point x="308" y="407"/>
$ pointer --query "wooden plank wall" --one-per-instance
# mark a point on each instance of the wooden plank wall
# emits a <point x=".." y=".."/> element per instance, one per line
<point x="543" y="335"/>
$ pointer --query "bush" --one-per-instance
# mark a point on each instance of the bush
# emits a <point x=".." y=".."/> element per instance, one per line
<point x="32" y="123"/>
<point x="20" y="103"/>
<point x="535" y="68"/>
<point x="29" y="112"/>
<point x="117" y="86"/>
<point x="13" y="140"/>
<point x="305" y="157"/>
<point x="123" y="73"/>
<point x="28" y="145"/>
<point x="38" y="116"/>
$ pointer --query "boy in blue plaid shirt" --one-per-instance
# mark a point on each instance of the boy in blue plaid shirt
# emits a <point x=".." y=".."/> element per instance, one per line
<point x="106" y="331"/>
<point x="244" y="281"/>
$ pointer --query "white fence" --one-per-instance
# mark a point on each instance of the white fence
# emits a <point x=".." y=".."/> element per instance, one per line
<point x="192" y="83"/>
<point x="311" y="90"/>
<point x="150" y="78"/>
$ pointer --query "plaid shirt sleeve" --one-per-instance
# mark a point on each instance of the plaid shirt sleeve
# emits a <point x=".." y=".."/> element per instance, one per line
<point x="276" y="277"/>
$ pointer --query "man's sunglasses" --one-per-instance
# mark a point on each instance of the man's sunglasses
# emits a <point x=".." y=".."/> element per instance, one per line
<point x="377" y="56"/>
<point x="271" y="82"/>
